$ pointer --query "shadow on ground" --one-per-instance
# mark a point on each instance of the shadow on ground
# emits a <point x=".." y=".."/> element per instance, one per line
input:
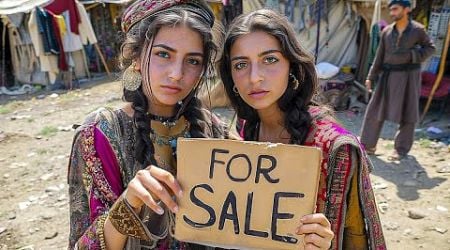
<point x="408" y="175"/>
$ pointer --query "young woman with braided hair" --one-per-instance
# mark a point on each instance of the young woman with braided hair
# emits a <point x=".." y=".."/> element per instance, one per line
<point x="124" y="159"/>
<point x="270" y="80"/>
<point x="123" y="163"/>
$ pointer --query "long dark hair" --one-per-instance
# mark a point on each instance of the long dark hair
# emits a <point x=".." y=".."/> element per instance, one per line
<point x="139" y="39"/>
<point x="293" y="103"/>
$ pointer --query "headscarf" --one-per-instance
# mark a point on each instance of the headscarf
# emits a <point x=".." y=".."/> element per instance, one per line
<point x="141" y="9"/>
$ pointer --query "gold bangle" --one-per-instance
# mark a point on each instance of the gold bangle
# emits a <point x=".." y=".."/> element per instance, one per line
<point x="125" y="220"/>
<point x="101" y="231"/>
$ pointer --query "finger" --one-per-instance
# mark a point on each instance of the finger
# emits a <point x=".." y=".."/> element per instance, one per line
<point x="315" y="229"/>
<point x="311" y="246"/>
<point x="158" y="190"/>
<point x="316" y="241"/>
<point x="318" y="218"/>
<point x="147" y="198"/>
<point x="168" y="179"/>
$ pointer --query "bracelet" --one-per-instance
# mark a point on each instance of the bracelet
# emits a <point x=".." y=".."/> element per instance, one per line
<point x="101" y="231"/>
<point x="125" y="220"/>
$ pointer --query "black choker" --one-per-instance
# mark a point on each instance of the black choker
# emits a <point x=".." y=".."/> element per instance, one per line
<point x="166" y="121"/>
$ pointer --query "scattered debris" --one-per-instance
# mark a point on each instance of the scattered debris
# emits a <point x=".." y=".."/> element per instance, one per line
<point x="24" y="205"/>
<point x="416" y="214"/>
<point x="49" y="237"/>
<point x="46" y="177"/>
<point x="52" y="189"/>
<point x="379" y="185"/>
<point x="441" y="209"/>
<point x="440" y="230"/>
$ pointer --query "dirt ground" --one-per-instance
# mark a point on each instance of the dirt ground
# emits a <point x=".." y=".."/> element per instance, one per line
<point x="35" y="141"/>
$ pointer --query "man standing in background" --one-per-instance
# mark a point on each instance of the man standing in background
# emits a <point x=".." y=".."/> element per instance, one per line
<point x="404" y="45"/>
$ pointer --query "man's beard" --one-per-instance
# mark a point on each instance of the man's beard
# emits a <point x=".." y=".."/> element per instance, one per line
<point x="397" y="18"/>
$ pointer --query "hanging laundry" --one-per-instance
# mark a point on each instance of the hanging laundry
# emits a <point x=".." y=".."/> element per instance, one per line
<point x="59" y="6"/>
<point x="61" y="24"/>
<point x="46" y="29"/>
<point x="62" y="63"/>
<point x="48" y="62"/>
<point x="86" y="30"/>
<point x="71" y="41"/>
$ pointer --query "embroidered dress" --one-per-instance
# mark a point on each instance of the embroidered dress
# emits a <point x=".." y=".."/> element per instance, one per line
<point x="101" y="165"/>
<point x="345" y="173"/>
<point x="345" y="193"/>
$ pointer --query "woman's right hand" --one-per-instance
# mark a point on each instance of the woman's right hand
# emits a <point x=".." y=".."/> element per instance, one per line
<point x="152" y="185"/>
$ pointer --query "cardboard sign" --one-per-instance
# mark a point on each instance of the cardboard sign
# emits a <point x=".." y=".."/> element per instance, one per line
<point x="245" y="195"/>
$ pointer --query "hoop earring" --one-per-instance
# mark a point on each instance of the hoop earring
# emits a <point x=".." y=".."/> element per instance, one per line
<point x="294" y="81"/>
<point x="131" y="78"/>
<point x="235" y="90"/>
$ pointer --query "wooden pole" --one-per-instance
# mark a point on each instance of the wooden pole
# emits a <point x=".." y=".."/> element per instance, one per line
<point x="102" y="58"/>
<point x="86" y="64"/>
<point x="3" y="80"/>
<point x="316" y="54"/>
<point x="440" y="73"/>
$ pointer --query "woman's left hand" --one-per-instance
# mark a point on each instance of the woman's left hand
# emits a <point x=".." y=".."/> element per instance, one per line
<point x="317" y="231"/>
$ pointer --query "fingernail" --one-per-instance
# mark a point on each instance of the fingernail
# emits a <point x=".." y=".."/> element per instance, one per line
<point x="160" y="211"/>
<point x="175" y="209"/>
<point x="180" y="194"/>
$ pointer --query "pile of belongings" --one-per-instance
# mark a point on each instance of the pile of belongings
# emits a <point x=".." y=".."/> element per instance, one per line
<point x="334" y="86"/>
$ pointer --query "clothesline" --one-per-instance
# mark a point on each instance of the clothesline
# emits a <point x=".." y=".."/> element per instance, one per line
<point x="51" y="31"/>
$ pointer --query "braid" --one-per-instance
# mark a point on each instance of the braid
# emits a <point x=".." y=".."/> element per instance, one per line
<point x="250" y="129"/>
<point x="297" y="121"/>
<point x="197" y="119"/>
<point x="144" y="149"/>
<point x="295" y="104"/>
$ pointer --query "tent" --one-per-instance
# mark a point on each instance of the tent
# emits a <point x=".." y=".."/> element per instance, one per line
<point x="31" y="62"/>
<point x="8" y="7"/>
<point x="340" y="34"/>
<point x="105" y="18"/>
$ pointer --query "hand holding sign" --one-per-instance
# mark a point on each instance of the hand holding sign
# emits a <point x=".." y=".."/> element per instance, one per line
<point x="149" y="186"/>
<point x="249" y="195"/>
<point x="317" y="231"/>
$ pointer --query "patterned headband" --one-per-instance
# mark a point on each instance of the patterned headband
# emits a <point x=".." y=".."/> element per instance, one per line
<point x="141" y="9"/>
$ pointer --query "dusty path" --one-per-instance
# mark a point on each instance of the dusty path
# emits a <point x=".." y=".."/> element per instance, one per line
<point x="35" y="141"/>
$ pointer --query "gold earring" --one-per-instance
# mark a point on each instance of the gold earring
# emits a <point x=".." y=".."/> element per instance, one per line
<point x="235" y="90"/>
<point x="131" y="78"/>
<point x="294" y="81"/>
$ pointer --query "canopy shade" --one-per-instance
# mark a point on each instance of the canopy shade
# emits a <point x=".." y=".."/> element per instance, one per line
<point x="8" y="7"/>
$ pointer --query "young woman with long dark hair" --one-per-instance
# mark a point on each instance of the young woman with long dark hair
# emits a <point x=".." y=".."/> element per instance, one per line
<point x="270" y="80"/>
